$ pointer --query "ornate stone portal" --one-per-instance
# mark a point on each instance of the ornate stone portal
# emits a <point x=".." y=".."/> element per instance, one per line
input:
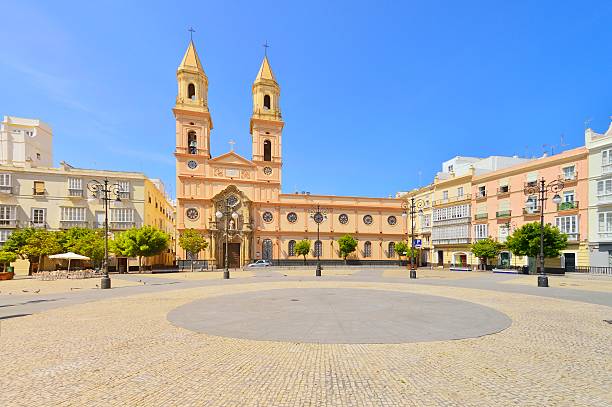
<point x="239" y="230"/>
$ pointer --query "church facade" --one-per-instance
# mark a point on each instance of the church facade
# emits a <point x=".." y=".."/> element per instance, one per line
<point x="239" y="200"/>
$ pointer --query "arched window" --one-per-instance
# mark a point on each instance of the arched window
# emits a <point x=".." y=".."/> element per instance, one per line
<point x="267" y="150"/>
<point x="267" y="249"/>
<point x="391" y="249"/>
<point x="291" y="248"/>
<point x="191" y="91"/>
<point x="367" y="249"/>
<point x="267" y="102"/>
<point x="192" y="142"/>
<point x="318" y="248"/>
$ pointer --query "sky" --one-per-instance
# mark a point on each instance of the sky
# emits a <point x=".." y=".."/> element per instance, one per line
<point x="375" y="95"/>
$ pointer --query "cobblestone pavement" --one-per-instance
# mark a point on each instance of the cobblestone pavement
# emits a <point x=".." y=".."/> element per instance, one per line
<point x="123" y="351"/>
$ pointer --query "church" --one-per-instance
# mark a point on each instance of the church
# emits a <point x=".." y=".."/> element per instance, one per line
<point x="240" y="200"/>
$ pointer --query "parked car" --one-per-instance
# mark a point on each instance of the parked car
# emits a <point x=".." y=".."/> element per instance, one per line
<point x="259" y="263"/>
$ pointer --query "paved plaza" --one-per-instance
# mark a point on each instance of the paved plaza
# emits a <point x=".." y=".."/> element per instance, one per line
<point x="354" y="337"/>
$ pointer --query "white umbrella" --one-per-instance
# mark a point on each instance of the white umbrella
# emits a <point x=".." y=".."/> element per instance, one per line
<point x="69" y="256"/>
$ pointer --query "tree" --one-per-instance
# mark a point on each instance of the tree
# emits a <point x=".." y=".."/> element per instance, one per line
<point x="346" y="245"/>
<point x="403" y="249"/>
<point x="140" y="242"/>
<point x="17" y="240"/>
<point x="87" y="242"/>
<point x="192" y="241"/>
<point x="302" y="248"/>
<point x="40" y="244"/>
<point x="525" y="241"/>
<point x="6" y="258"/>
<point x="486" y="249"/>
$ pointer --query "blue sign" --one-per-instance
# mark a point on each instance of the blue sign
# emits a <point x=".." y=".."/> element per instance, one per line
<point x="417" y="243"/>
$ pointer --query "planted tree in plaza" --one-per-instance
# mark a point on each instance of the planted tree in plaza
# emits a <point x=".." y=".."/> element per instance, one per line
<point x="87" y="242"/>
<point x="403" y="249"/>
<point x="486" y="249"/>
<point x="7" y="258"/>
<point x="346" y="245"/>
<point x="40" y="244"/>
<point x="17" y="239"/>
<point x="525" y="241"/>
<point x="140" y="242"/>
<point x="302" y="248"/>
<point x="192" y="241"/>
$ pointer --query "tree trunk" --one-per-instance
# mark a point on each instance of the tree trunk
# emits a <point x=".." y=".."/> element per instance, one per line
<point x="39" y="261"/>
<point x="192" y="265"/>
<point x="139" y="264"/>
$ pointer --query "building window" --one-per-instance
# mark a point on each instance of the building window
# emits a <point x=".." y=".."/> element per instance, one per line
<point x="267" y="249"/>
<point x="291" y="248"/>
<point x="367" y="249"/>
<point x="482" y="191"/>
<point x="391" y="250"/>
<point x="38" y="216"/>
<point x="192" y="142"/>
<point x="318" y="249"/>
<point x="568" y="225"/>
<point x="605" y="224"/>
<point x="75" y="187"/>
<point x="73" y="214"/>
<point x="343" y="218"/>
<point x="367" y="219"/>
<point x="292" y="217"/>
<point x="267" y="217"/>
<point x="568" y="196"/>
<point x="39" y="188"/>
<point x="444" y="196"/>
<point x="4" y="235"/>
<point x="531" y="205"/>
<point x="504" y="189"/>
<point x="604" y="188"/>
<point x="124" y="189"/>
<point x="125" y="215"/>
<point x="460" y="191"/>
<point x="392" y="220"/>
<point x="606" y="161"/>
<point x="450" y="168"/>
<point x="481" y="231"/>
<point x="503" y="233"/>
<point x="191" y="91"/>
<point x="267" y="103"/>
<point x="569" y="173"/>
<point x="5" y="180"/>
<point x="7" y="215"/>
<point x="267" y="146"/>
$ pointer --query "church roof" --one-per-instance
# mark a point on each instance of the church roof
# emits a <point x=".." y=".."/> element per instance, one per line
<point x="233" y="158"/>
<point x="265" y="72"/>
<point x="191" y="59"/>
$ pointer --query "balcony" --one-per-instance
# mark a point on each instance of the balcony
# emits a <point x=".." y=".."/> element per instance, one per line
<point x="604" y="199"/>
<point x="480" y="216"/>
<point x="8" y="223"/>
<point x="531" y="211"/>
<point x="573" y="237"/>
<point x="567" y="206"/>
<point x="459" y="240"/>
<point x="503" y="191"/>
<point x="503" y="214"/>
<point x="115" y="225"/>
<point x="75" y="193"/>
<point x="570" y="178"/>
<point x="530" y="184"/>
<point x="68" y="224"/>
<point x="460" y="198"/>
<point x="6" y="189"/>
<point x="481" y="195"/>
<point x="606" y="169"/>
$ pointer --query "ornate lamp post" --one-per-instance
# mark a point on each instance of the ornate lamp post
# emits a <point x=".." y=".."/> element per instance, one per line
<point x="318" y="214"/>
<point x="227" y="213"/>
<point x="107" y="190"/>
<point x="416" y="205"/>
<point x="542" y="189"/>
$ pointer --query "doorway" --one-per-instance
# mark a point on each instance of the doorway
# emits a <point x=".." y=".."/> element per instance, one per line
<point x="569" y="260"/>
<point x="233" y="255"/>
<point x="440" y="258"/>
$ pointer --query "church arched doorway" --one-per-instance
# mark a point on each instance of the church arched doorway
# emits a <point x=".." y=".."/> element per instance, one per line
<point x="266" y="251"/>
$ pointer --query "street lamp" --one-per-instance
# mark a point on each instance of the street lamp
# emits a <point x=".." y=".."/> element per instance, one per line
<point x="414" y="207"/>
<point x="318" y="214"/>
<point x="228" y="213"/>
<point x="542" y="188"/>
<point x="106" y="189"/>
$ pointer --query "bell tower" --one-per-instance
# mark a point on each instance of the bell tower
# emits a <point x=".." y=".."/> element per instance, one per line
<point x="266" y="121"/>
<point x="193" y="121"/>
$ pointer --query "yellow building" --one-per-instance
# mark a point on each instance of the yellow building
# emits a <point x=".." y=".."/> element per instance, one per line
<point x="159" y="212"/>
<point x="267" y="223"/>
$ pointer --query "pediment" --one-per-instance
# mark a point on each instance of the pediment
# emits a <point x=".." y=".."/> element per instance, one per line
<point x="231" y="158"/>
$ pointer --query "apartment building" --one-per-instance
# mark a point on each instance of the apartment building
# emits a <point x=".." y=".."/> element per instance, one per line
<point x="599" y="148"/>
<point x="57" y="198"/>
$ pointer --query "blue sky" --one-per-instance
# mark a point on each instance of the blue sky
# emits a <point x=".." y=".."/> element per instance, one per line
<point x="375" y="95"/>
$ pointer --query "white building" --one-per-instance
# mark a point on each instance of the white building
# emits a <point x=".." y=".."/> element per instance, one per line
<point x="25" y="142"/>
<point x="600" y="197"/>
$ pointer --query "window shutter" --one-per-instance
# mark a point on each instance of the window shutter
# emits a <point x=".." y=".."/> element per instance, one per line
<point x="532" y="176"/>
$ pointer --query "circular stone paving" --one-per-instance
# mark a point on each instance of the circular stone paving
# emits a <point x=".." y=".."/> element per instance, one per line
<point x="338" y="315"/>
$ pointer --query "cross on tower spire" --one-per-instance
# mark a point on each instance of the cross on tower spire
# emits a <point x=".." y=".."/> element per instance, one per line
<point x="191" y="31"/>
<point x="266" y="46"/>
<point x="231" y="143"/>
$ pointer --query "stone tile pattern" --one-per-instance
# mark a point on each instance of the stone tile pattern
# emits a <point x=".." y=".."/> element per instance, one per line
<point x="124" y="352"/>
